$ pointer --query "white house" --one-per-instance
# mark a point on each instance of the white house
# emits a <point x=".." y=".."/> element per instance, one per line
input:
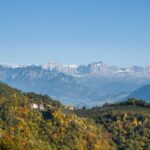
<point x="34" y="106"/>
<point x="41" y="107"/>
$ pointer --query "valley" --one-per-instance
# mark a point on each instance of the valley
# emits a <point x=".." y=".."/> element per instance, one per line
<point x="82" y="85"/>
<point x="34" y="121"/>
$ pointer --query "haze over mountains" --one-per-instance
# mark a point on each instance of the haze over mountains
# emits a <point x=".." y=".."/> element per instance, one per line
<point x="77" y="85"/>
<point x="142" y="93"/>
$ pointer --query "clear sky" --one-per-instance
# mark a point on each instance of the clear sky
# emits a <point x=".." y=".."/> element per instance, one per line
<point x="75" y="31"/>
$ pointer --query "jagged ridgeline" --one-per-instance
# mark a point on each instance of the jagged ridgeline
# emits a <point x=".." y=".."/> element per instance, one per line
<point x="29" y="121"/>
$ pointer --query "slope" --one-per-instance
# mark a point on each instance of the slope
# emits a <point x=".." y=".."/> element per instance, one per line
<point x="142" y="93"/>
<point x="33" y="121"/>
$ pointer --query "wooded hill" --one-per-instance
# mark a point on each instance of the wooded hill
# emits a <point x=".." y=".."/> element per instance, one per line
<point x="128" y="123"/>
<point x="30" y="121"/>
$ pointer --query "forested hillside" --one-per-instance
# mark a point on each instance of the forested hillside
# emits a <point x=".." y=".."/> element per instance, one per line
<point x="29" y="121"/>
<point x="127" y="122"/>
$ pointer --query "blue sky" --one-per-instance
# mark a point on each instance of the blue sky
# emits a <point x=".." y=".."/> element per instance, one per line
<point x="75" y="31"/>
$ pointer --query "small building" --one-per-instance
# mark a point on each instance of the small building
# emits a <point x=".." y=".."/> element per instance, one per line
<point x="41" y="107"/>
<point x="69" y="107"/>
<point x="37" y="106"/>
<point x="34" y="106"/>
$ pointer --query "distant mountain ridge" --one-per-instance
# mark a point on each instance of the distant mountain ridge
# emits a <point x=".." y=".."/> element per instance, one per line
<point x="78" y="85"/>
<point x="99" y="68"/>
<point x="142" y="93"/>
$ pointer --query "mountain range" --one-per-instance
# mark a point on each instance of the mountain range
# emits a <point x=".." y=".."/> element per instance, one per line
<point x="77" y="85"/>
<point x="141" y="93"/>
